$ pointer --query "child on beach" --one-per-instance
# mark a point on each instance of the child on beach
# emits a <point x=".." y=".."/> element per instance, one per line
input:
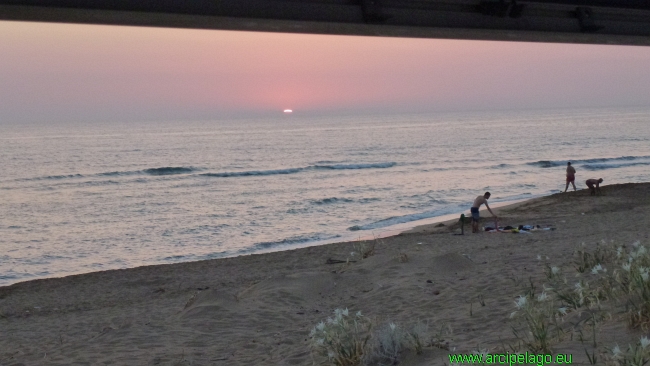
<point x="594" y="185"/>
<point x="475" y="215"/>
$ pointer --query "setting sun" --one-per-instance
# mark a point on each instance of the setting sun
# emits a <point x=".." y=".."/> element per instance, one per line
<point x="288" y="111"/>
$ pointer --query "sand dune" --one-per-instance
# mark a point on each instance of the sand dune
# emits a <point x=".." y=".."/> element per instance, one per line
<point x="259" y="309"/>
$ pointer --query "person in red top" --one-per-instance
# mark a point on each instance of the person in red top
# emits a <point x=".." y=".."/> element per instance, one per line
<point x="570" y="177"/>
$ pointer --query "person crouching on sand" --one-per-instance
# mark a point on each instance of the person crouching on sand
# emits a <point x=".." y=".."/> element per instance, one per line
<point x="594" y="185"/>
<point x="477" y="203"/>
<point x="570" y="177"/>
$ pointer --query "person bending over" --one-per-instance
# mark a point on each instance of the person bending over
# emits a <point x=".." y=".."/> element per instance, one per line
<point x="594" y="185"/>
<point x="570" y="177"/>
<point x="477" y="203"/>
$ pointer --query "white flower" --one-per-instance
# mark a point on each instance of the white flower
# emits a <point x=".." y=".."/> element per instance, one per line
<point x="512" y="315"/>
<point x="619" y="252"/>
<point x="392" y="326"/>
<point x="320" y="341"/>
<point x="521" y="302"/>
<point x="539" y="257"/>
<point x="320" y="326"/>
<point x="482" y="352"/>
<point x="330" y="354"/>
<point x="596" y="269"/>
<point x="644" y="341"/>
<point x="616" y="351"/>
<point x="345" y="312"/>
<point x="543" y="296"/>
<point x="636" y="243"/>
<point x="359" y="313"/>
<point x="562" y="310"/>
<point x="626" y="267"/>
<point x="555" y="270"/>
<point x="579" y="287"/>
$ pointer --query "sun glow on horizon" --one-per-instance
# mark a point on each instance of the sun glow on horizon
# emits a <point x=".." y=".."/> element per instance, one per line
<point x="288" y="111"/>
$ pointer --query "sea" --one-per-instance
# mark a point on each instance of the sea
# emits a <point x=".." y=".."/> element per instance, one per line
<point x="83" y="197"/>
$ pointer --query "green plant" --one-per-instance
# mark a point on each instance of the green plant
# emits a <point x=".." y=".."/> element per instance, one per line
<point x="537" y="326"/>
<point x="364" y="249"/>
<point x="551" y="272"/>
<point x="585" y="260"/>
<point x="635" y="355"/>
<point x="417" y="336"/>
<point x="341" y="340"/>
<point x="591" y="357"/>
<point x="633" y="281"/>
<point x="388" y="341"/>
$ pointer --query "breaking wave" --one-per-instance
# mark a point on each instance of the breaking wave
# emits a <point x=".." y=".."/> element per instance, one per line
<point x="595" y="164"/>
<point x="404" y="219"/>
<point x="356" y="166"/>
<point x="547" y="163"/>
<point x="298" y="170"/>
<point x="170" y="170"/>
<point x="613" y="166"/>
<point x="254" y="172"/>
<point x="294" y="240"/>
<point x="325" y="201"/>
<point x="151" y="171"/>
<point x="174" y="170"/>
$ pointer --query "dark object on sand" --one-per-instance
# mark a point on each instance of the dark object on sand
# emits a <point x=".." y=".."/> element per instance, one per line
<point x="462" y="224"/>
<point x="335" y="261"/>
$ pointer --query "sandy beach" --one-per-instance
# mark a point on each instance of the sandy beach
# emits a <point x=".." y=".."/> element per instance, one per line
<point x="260" y="309"/>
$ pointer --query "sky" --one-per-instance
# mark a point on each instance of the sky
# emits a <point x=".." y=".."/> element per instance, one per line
<point x="52" y="72"/>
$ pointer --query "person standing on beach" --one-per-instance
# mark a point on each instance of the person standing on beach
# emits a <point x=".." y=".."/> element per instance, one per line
<point x="477" y="203"/>
<point x="594" y="185"/>
<point x="570" y="177"/>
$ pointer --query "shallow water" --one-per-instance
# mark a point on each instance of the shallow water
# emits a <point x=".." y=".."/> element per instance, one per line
<point x="83" y="197"/>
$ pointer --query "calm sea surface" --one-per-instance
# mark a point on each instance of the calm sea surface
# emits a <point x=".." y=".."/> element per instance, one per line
<point x="84" y="197"/>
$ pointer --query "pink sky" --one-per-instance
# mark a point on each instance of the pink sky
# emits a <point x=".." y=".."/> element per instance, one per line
<point x="64" y="71"/>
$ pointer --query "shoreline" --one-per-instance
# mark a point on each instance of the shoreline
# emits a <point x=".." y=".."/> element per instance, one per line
<point x="386" y="232"/>
<point x="260" y="308"/>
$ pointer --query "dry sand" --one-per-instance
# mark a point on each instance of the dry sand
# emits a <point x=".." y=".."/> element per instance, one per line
<point x="259" y="309"/>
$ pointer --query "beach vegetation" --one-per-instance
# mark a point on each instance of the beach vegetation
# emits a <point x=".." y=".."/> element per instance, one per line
<point x="364" y="249"/>
<point x="633" y="279"/>
<point x="585" y="260"/>
<point x="417" y="336"/>
<point x="592" y="358"/>
<point x="387" y="344"/>
<point x="341" y="340"/>
<point x="349" y="340"/>
<point x="551" y="272"/>
<point x="537" y="322"/>
<point x="608" y="278"/>
<point x="635" y="355"/>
